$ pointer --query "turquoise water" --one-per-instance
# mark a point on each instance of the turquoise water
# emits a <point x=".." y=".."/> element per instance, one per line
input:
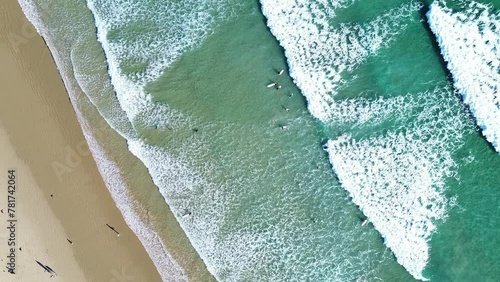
<point x="366" y="165"/>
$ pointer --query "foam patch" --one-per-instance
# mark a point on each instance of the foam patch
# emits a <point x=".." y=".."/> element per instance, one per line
<point x="470" y="44"/>
<point x="319" y="53"/>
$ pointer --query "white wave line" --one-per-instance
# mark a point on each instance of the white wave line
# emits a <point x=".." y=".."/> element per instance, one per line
<point x="470" y="43"/>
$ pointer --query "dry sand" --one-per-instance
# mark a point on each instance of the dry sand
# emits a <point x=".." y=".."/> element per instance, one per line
<point x="39" y="137"/>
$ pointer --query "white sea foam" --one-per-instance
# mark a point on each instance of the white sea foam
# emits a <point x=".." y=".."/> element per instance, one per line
<point x="398" y="179"/>
<point x="470" y="43"/>
<point x="229" y="256"/>
<point x="393" y="179"/>
<point x="167" y="266"/>
<point x="372" y="111"/>
<point x="149" y="36"/>
<point x="185" y="188"/>
<point x="97" y="86"/>
<point x="319" y="53"/>
<point x="171" y="29"/>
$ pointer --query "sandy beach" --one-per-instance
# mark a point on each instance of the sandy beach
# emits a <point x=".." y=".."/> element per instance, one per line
<point x="59" y="192"/>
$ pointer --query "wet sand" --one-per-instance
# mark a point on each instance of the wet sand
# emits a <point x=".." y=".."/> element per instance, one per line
<point x="60" y="193"/>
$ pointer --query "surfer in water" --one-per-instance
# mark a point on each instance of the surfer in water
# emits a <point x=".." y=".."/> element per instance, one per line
<point x="186" y="213"/>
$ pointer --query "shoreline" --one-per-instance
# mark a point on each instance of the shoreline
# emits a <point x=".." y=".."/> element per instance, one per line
<point x="59" y="184"/>
<point x="127" y="179"/>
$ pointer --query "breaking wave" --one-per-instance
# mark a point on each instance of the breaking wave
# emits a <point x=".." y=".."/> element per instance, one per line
<point x="397" y="175"/>
<point x="470" y="44"/>
<point x="319" y="53"/>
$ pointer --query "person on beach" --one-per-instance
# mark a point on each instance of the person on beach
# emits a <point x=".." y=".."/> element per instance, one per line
<point x="112" y="228"/>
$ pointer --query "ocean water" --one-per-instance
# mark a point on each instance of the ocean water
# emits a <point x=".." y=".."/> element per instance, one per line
<point x="370" y="158"/>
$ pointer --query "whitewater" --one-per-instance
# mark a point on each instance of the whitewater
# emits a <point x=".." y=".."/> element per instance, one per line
<point x="470" y="43"/>
<point x="397" y="178"/>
